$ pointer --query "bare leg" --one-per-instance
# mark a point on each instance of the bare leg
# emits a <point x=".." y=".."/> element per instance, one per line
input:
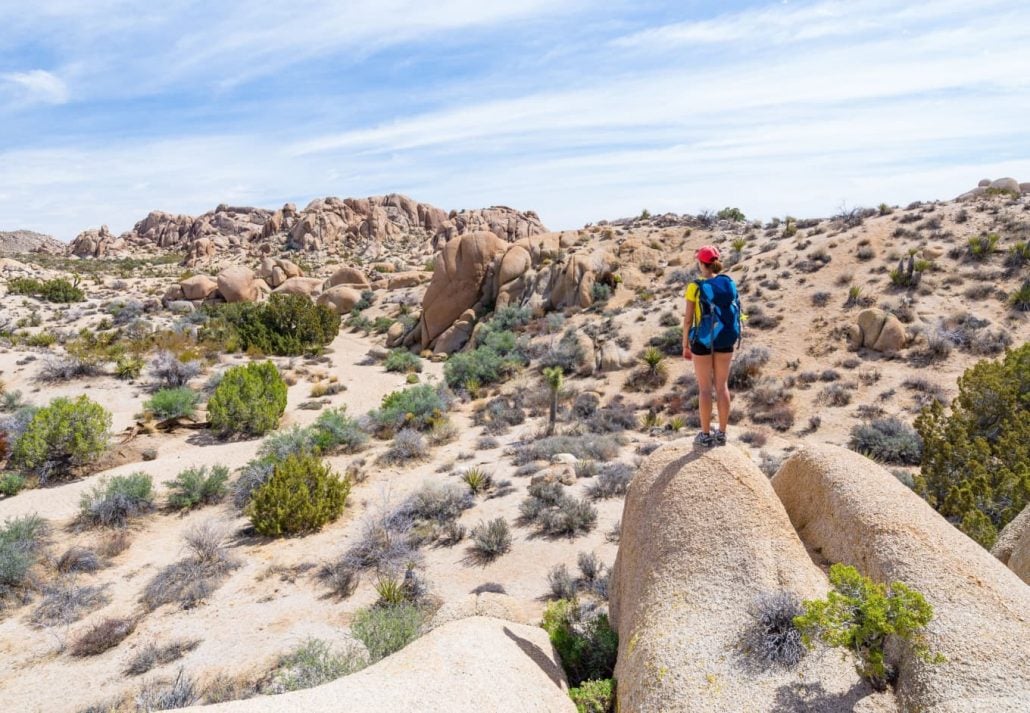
<point x="703" y="372"/>
<point x="722" y="389"/>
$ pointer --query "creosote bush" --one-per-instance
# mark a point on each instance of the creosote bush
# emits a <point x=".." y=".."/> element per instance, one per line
<point x="860" y="615"/>
<point x="417" y="407"/>
<point x="976" y="459"/>
<point x="303" y="495"/>
<point x="248" y="400"/>
<point x="61" y="437"/>
<point x="57" y="290"/>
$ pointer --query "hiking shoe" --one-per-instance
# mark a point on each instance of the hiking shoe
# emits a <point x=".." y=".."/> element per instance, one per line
<point x="704" y="439"/>
<point x="720" y="437"/>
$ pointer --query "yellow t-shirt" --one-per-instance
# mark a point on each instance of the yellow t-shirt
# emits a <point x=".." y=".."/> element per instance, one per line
<point x="691" y="296"/>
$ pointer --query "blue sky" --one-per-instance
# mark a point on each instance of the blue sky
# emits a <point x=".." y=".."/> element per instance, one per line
<point x="578" y="110"/>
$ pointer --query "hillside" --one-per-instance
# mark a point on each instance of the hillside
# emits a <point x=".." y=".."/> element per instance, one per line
<point x="13" y="242"/>
<point x="853" y="320"/>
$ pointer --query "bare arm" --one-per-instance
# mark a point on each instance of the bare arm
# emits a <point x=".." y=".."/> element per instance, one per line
<point x="688" y="319"/>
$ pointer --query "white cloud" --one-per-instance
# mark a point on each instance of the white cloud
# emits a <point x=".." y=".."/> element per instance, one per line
<point x="36" y="86"/>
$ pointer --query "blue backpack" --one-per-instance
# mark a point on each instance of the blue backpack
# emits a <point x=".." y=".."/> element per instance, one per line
<point x="719" y="327"/>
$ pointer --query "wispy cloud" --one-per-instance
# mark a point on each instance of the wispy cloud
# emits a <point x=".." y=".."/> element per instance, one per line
<point x="36" y="86"/>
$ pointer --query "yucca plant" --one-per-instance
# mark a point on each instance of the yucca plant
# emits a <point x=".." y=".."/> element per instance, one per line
<point x="652" y="420"/>
<point x="982" y="246"/>
<point x="1020" y="299"/>
<point x="477" y="479"/>
<point x="390" y="590"/>
<point x="739" y="244"/>
<point x="854" y="295"/>
<point x="654" y="359"/>
<point x="677" y="423"/>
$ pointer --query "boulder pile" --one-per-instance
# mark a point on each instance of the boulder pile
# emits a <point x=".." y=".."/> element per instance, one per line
<point x="851" y="510"/>
<point x="877" y="330"/>
<point x="1013" y="545"/>
<point x="999" y="185"/>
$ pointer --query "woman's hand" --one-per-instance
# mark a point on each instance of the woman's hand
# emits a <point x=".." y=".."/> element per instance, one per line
<point x="686" y="353"/>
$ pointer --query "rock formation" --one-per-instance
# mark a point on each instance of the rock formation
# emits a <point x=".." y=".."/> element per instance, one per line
<point x="851" y="510"/>
<point x="465" y="666"/>
<point x="1013" y="545"/>
<point x="1000" y="185"/>
<point x="877" y="330"/>
<point x="13" y="242"/>
<point x="96" y="242"/>
<point x="703" y="535"/>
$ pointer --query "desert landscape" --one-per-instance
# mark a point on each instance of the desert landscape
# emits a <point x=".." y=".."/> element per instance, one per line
<point x="373" y="455"/>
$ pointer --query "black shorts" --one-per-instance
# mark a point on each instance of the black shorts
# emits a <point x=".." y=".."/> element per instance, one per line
<point x="698" y="350"/>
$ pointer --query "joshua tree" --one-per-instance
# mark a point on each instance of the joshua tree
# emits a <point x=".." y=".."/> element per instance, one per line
<point x="555" y="378"/>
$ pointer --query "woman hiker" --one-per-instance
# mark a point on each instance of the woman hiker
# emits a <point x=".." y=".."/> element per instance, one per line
<point x="711" y="331"/>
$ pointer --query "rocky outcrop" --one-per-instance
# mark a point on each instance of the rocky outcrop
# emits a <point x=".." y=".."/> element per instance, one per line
<point x="703" y="535"/>
<point x="1013" y="545"/>
<point x="349" y="277"/>
<point x="877" y="330"/>
<point x="238" y="284"/>
<point x="341" y="298"/>
<point x="465" y="666"/>
<point x="986" y="186"/>
<point x="506" y="223"/>
<point x="275" y="272"/>
<point x="307" y="286"/>
<point x="851" y="510"/>
<point x="198" y="287"/>
<point x="95" y="242"/>
<point x="14" y="242"/>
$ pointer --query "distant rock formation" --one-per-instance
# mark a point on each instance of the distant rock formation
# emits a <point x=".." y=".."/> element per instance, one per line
<point x="13" y="242"/>
<point x="999" y="186"/>
<point x="703" y="536"/>
<point x="851" y="510"/>
<point x="360" y="227"/>
<point x="470" y="665"/>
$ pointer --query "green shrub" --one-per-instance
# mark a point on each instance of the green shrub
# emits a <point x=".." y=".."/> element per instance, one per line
<point x="594" y="696"/>
<point x="56" y="290"/>
<point x="65" y="435"/>
<point x="313" y="663"/>
<point x="1020" y="297"/>
<point x="302" y="495"/>
<point x="21" y="540"/>
<point x="498" y="354"/>
<point x="491" y="539"/>
<point x="887" y="440"/>
<point x="11" y="483"/>
<point x="404" y="361"/>
<point x="173" y="403"/>
<point x="586" y="643"/>
<point x="976" y="460"/>
<point x="285" y="325"/>
<point x="417" y="407"/>
<point x="128" y="367"/>
<point x="335" y="431"/>
<point x="112" y="503"/>
<point x="670" y="341"/>
<point x="198" y="486"/>
<point x="510" y="318"/>
<point x="249" y="399"/>
<point x="388" y="628"/>
<point x="734" y="214"/>
<point x="982" y="247"/>
<point x="860" y="614"/>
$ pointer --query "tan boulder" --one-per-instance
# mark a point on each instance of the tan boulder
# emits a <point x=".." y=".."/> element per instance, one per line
<point x="557" y="473"/>
<point x="492" y="604"/>
<point x="349" y="276"/>
<point x="237" y="284"/>
<point x="612" y="357"/>
<point x="395" y="334"/>
<point x="877" y="330"/>
<point x="703" y="536"/>
<point x="411" y="278"/>
<point x="457" y="335"/>
<point x="172" y="294"/>
<point x="277" y="271"/>
<point x="383" y="267"/>
<point x="1013" y="545"/>
<point x="198" y="287"/>
<point x="1006" y="184"/>
<point x="307" y="286"/>
<point x="851" y="510"/>
<point x="458" y="281"/>
<point x="470" y="665"/>
<point x="341" y="298"/>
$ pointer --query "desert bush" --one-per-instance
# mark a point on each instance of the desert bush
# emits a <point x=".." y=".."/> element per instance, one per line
<point x="596" y="696"/>
<point x="887" y="440"/>
<point x="57" y="290"/>
<point x="860" y="615"/>
<point x="66" y="368"/>
<point x="1020" y="297"/>
<point x="151" y="655"/>
<point x="568" y="354"/>
<point x="585" y="641"/>
<point x="438" y="502"/>
<point x="335" y="432"/>
<point x="617" y="416"/>
<point x="417" y="407"/>
<point x="408" y="444"/>
<point x="198" y="486"/>
<point x="613" y="479"/>
<point x="732" y="214"/>
<point x="65" y="435"/>
<point x="285" y="325"/>
<point x="387" y="629"/>
<point x="179" y="402"/>
<point x="113" y="502"/>
<point x="342" y="578"/>
<point x="313" y="663"/>
<point x="21" y="541"/>
<point x="746" y="368"/>
<point x="103" y="635"/>
<point x="303" y="495"/>
<point x="170" y="372"/>
<point x="562" y="585"/>
<point x="128" y="367"/>
<point x="78" y="559"/>
<point x="10" y="483"/>
<point x="555" y="512"/>
<point x="510" y="318"/>
<point x="835" y="395"/>
<point x="975" y="466"/>
<point x="982" y="247"/>
<point x="773" y="639"/>
<point x="248" y="400"/>
<point x="192" y="579"/>
<point x="65" y="602"/>
<point x="403" y="361"/>
<point x="588" y="446"/>
<point x="157" y="696"/>
<point x="501" y="413"/>
<point x="669" y="341"/>
<point x="498" y="355"/>
<point x="491" y="539"/>
<point x="821" y="299"/>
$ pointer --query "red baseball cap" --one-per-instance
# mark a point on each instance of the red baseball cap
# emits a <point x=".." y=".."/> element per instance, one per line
<point x="707" y="254"/>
